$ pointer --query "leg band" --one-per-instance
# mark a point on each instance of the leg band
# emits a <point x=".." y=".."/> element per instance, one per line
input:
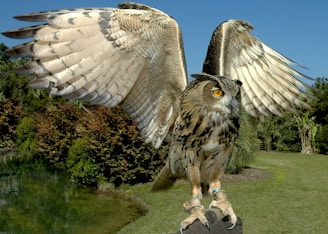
<point x="197" y="197"/>
<point x="216" y="191"/>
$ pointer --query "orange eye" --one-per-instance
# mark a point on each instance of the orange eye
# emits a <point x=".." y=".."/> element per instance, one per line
<point x="217" y="92"/>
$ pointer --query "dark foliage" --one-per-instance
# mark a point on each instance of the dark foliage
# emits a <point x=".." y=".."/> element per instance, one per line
<point x="9" y="118"/>
<point x="246" y="145"/>
<point x="320" y="112"/>
<point x="100" y="144"/>
<point x="111" y="147"/>
<point x="55" y="131"/>
<point x="279" y="133"/>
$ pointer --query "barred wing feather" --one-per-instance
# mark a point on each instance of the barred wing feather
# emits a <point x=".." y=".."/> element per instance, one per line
<point x="109" y="56"/>
<point x="270" y="84"/>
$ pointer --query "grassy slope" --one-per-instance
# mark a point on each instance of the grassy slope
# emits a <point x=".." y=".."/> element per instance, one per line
<point x="295" y="200"/>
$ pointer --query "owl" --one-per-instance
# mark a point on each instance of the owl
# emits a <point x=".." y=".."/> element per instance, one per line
<point x="133" y="56"/>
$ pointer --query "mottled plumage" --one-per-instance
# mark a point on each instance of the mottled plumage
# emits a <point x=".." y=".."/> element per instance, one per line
<point x="205" y="127"/>
<point x="133" y="56"/>
<point x="202" y="140"/>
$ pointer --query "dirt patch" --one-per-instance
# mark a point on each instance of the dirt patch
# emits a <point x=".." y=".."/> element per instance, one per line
<point x="248" y="174"/>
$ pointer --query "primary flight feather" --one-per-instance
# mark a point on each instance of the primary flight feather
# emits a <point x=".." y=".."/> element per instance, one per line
<point x="133" y="56"/>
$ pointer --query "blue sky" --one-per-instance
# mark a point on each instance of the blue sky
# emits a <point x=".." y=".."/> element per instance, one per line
<point x="297" y="29"/>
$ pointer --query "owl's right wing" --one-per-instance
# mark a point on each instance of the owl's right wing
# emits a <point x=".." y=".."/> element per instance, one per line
<point x="132" y="56"/>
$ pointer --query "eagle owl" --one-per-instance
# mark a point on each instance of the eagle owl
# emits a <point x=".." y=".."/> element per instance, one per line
<point x="133" y="56"/>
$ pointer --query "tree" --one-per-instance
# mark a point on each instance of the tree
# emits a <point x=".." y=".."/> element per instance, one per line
<point x="14" y="87"/>
<point x="279" y="133"/>
<point x="320" y="112"/>
<point x="307" y="130"/>
<point x="268" y="132"/>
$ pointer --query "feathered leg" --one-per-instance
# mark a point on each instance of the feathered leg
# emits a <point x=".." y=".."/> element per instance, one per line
<point x="220" y="201"/>
<point x="164" y="179"/>
<point x="194" y="205"/>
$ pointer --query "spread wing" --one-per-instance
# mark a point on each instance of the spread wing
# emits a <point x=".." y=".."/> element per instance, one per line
<point x="270" y="84"/>
<point x="131" y="56"/>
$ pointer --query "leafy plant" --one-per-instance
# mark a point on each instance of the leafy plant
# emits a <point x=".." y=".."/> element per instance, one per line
<point x="10" y="115"/>
<point x="55" y="131"/>
<point x="111" y="141"/>
<point x="81" y="164"/>
<point x="246" y="145"/>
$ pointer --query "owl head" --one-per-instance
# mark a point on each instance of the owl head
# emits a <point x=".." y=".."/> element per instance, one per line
<point x="217" y="93"/>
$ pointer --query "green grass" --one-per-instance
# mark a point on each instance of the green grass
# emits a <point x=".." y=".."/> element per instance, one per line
<point x="294" y="200"/>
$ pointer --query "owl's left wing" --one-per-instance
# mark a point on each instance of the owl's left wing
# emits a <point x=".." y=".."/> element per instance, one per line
<point x="270" y="84"/>
<point x="131" y="56"/>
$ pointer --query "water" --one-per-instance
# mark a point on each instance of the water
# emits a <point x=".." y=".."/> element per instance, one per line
<point x="43" y="202"/>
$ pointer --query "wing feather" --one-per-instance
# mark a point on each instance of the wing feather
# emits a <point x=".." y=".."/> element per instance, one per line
<point x="270" y="84"/>
<point x="132" y="56"/>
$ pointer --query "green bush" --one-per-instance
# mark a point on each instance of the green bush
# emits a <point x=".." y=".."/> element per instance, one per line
<point x="93" y="145"/>
<point x="25" y="136"/>
<point x="55" y="131"/>
<point x="246" y="145"/>
<point x="9" y="118"/>
<point x="81" y="164"/>
<point x="112" y="142"/>
<point x="279" y="133"/>
<point x="321" y="141"/>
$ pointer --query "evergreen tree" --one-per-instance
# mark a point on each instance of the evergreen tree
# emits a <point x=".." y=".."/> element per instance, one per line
<point x="320" y="112"/>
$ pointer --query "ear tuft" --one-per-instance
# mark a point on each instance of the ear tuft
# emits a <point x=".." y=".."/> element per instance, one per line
<point x="202" y="76"/>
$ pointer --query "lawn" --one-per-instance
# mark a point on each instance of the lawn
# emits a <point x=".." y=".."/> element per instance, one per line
<point x="293" y="200"/>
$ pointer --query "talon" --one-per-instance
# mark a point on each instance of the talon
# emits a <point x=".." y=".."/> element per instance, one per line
<point x="225" y="206"/>
<point x="233" y="220"/>
<point x="233" y="226"/>
<point x="207" y="225"/>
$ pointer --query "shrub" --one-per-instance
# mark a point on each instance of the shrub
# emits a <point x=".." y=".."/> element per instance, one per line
<point x="321" y="141"/>
<point x="246" y="145"/>
<point x="25" y="136"/>
<point x="55" y="131"/>
<point x="81" y="164"/>
<point x="9" y="118"/>
<point x="112" y="141"/>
